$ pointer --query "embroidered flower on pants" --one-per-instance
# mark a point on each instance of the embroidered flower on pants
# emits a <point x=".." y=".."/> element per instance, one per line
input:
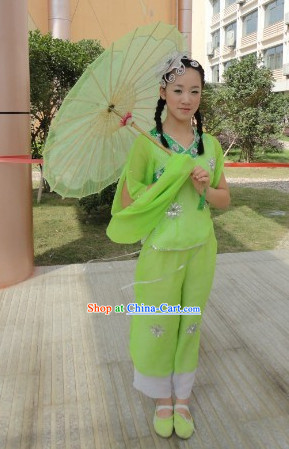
<point x="174" y="211"/>
<point x="157" y="330"/>
<point x="191" y="329"/>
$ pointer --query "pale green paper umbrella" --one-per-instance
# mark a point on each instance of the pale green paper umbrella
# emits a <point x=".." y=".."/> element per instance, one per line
<point x="87" y="147"/>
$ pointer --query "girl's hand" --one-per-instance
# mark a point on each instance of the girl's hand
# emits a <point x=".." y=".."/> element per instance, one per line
<point x="200" y="179"/>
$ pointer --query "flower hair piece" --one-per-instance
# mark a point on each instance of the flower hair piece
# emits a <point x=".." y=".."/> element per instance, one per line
<point x="173" y="62"/>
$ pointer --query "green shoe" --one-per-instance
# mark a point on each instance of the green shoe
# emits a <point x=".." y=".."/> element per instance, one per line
<point x="163" y="426"/>
<point x="184" y="427"/>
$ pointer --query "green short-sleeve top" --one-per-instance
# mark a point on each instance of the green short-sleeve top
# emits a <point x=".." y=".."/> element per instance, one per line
<point x="166" y="216"/>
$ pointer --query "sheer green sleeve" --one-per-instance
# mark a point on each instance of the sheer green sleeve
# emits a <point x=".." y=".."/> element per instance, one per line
<point x="136" y="221"/>
<point x="138" y="172"/>
<point x="219" y="167"/>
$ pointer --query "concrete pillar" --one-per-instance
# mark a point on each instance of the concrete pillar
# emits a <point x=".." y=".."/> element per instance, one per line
<point x="59" y="22"/>
<point x="16" y="242"/>
<point x="185" y="20"/>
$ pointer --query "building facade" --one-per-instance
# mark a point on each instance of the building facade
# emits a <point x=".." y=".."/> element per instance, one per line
<point x="237" y="28"/>
<point x="199" y="34"/>
<point x="96" y="19"/>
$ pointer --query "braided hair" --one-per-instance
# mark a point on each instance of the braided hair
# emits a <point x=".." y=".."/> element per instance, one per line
<point x="161" y="104"/>
<point x="159" y="125"/>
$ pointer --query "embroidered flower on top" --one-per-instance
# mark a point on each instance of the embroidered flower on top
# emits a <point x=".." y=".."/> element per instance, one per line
<point x="212" y="163"/>
<point x="191" y="329"/>
<point x="174" y="211"/>
<point x="194" y="151"/>
<point x="157" y="330"/>
<point x="175" y="147"/>
<point x="157" y="174"/>
<point x="197" y="137"/>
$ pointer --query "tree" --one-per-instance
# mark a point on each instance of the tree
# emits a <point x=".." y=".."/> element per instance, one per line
<point x="254" y="113"/>
<point x="55" y="66"/>
<point x="212" y="110"/>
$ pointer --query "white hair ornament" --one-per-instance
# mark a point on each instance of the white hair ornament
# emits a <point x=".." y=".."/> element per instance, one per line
<point x="173" y="62"/>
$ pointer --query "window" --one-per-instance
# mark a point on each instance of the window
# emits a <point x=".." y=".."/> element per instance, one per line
<point x="274" y="12"/>
<point x="216" y="39"/>
<point x="273" y="57"/>
<point x="215" y="73"/>
<point x="216" y="7"/>
<point x="227" y="64"/>
<point x="229" y="2"/>
<point x="250" y="23"/>
<point x="231" y="30"/>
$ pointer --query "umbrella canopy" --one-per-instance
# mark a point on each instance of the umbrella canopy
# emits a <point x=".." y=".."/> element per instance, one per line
<point x="86" y="146"/>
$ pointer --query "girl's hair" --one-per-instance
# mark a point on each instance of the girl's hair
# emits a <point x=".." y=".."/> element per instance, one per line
<point x="161" y="104"/>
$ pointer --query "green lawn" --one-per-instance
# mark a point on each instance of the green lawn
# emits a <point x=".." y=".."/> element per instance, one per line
<point x="256" y="220"/>
<point x="260" y="156"/>
<point x="256" y="172"/>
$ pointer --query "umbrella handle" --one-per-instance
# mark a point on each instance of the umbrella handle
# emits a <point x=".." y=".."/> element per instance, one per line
<point x="156" y="142"/>
<point x="126" y="119"/>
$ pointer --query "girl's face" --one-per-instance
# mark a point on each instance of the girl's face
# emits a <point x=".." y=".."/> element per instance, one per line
<point x="183" y="96"/>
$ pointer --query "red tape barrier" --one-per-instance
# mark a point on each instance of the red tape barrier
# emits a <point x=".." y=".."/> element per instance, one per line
<point x="26" y="159"/>
<point x="255" y="164"/>
<point x="20" y="159"/>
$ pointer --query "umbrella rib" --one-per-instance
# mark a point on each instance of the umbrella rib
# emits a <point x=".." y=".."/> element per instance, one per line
<point x="124" y="60"/>
<point x="142" y="122"/>
<point x="99" y="86"/>
<point x="79" y="100"/>
<point x="122" y="145"/>
<point x="155" y="49"/>
<point x="110" y="75"/>
<point x="150" y="83"/>
<point x="68" y="147"/>
<point x="146" y="98"/>
<point x="132" y="131"/>
<point x="110" y="144"/>
<point x="113" y="157"/>
<point x="74" y="171"/>
<point x="65" y="121"/>
<point x="142" y="107"/>
<point x="141" y="116"/>
<point x="88" y="166"/>
<point x="128" y="50"/>
<point x="75" y="131"/>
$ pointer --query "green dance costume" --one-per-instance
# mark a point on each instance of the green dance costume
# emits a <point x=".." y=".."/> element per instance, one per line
<point x="177" y="261"/>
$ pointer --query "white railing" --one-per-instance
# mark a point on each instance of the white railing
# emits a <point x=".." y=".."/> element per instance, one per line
<point x="250" y="39"/>
<point x="230" y="10"/>
<point x="273" y="30"/>
<point x="215" y="19"/>
<point x="278" y="74"/>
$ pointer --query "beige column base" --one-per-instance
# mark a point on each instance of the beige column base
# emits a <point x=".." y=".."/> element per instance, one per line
<point x="16" y="242"/>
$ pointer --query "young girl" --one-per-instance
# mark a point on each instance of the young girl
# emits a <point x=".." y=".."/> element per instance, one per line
<point x="164" y="200"/>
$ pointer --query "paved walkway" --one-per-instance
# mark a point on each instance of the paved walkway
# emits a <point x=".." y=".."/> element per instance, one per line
<point x="66" y="375"/>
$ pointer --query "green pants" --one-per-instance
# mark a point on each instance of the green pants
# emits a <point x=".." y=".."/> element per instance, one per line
<point x="160" y="344"/>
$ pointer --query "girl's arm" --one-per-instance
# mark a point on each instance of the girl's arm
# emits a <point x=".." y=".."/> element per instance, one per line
<point x="125" y="197"/>
<point x="218" y="197"/>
